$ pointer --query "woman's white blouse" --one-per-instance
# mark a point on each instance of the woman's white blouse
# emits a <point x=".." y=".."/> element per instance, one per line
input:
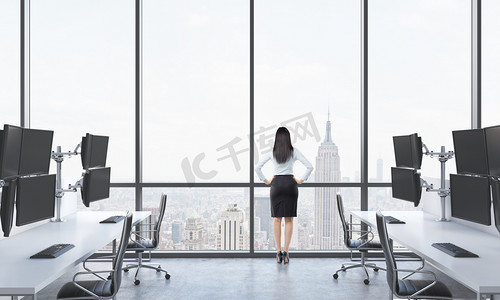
<point x="284" y="168"/>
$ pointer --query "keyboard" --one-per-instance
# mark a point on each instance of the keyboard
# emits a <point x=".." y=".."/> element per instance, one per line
<point x="392" y="220"/>
<point x="113" y="219"/>
<point x="53" y="251"/>
<point x="454" y="250"/>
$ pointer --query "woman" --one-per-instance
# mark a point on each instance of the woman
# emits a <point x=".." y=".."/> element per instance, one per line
<point x="284" y="191"/>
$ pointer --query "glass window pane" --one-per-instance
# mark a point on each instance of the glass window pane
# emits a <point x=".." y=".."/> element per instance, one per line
<point x="381" y="199"/>
<point x="199" y="219"/>
<point x="120" y="199"/>
<point x="317" y="226"/>
<point x="419" y="77"/>
<point x="307" y="72"/>
<point x="490" y="92"/>
<point x="196" y="91"/>
<point x="10" y="69"/>
<point x="82" y="77"/>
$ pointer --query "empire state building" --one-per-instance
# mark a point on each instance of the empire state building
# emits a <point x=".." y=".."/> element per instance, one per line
<point x="327" y="233"/>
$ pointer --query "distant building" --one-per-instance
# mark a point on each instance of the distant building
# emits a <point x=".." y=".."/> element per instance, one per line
<point x="176" y="232"/>
<point x="327" y="233"/>
<point x="193" y="234"/>
<point x="263" y="211"/>
<point x="231" y="231"/>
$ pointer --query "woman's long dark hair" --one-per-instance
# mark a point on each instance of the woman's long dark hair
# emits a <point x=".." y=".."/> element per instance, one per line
<point x="283" y="149"/>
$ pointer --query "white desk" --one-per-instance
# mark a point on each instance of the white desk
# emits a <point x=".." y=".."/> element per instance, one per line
<point x="481" y="274"/>
<point x="21" y="275"/>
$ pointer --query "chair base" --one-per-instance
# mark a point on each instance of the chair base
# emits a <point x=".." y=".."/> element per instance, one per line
<point x="363" y="264"/>
<point x="140" y="265"/>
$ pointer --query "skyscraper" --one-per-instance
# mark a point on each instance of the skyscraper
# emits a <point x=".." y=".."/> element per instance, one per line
<point x="176" y="231"/>
<point x="327" y="233"/>
<point x="231" y="233"/>
<point x="193" y="234"/>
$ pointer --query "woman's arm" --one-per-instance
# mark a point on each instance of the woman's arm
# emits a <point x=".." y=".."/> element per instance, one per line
<point x="309" y="168"/>
<point x="258" y="168"/>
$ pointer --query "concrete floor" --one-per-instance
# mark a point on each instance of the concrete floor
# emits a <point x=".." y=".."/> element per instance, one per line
<point x="254" y="278"/>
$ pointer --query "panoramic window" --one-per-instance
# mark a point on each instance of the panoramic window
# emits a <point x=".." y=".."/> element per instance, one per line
<point x="419" y="79"/>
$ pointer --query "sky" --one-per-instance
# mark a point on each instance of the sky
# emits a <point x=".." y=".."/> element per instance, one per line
<point x="196" y="78"/>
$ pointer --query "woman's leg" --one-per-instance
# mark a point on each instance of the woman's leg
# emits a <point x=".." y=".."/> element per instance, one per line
<point x="288" y="232"/>
<point x="277" y="233"/>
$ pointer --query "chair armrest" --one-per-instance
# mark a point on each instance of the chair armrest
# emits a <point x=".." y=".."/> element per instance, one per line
<point x="85" y="290"/>
<point x="365" y="234"/>
<point x="414" y="272"/>
<point x="92" y="273"/>
<point x="85" y="261"/>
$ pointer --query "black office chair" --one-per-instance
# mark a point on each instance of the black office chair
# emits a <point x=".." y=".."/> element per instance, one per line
<point x="141" y="244"/>
<point x="102" y="288"/>
<point x="363" y="244"/>
<point x="404" y="287"/>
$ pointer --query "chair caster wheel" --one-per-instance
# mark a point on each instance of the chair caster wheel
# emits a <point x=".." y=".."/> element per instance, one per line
<point x="137" y="282"/>
<point x="366" y="281"/>
<point x="158" y="270"/>
<point x="375" y="270"/>
<point x="335" y="276"/>
<point x="342" y="268"/>
<point x="167" y="276"/>
<point x="109" y="277"/>
<point x="125" y="270"/>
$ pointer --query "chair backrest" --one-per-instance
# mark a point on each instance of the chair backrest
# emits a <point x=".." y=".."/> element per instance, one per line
<point x="156" y="233"/>
<point x="340" y="207"/>
<point x="116" y="276"/>
<point x="390" y="261"/>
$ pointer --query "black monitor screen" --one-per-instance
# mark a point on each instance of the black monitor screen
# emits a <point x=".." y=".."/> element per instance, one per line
<point x="35" y="151"/>
<point x="10" y="151"/>
<point x="495" y="190"/>
<point x="35" y="199"/>
<point x="492" y="135"/>
<point x="95" y="185"/>
<point x="470" y="151"/>
<point x="470" y="198"/>
<point x="7" y="206"/>
<point x="94" y="151"/>
<point x="408" y="151"/>
<point x="406" y="185"/>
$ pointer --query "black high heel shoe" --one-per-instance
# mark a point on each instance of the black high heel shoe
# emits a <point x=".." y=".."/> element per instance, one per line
<point x="286" y="257"/>
<point x="279" y="257"/>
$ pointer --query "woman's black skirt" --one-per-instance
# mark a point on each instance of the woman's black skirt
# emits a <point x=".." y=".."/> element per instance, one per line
<point x="284" y="194"/>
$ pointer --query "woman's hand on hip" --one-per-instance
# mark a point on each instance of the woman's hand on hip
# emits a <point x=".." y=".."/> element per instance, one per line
<point x="299" y="181"/>
<point x="267" y="181"/>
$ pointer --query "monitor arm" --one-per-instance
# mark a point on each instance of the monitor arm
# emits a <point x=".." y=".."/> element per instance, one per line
<point x="58" y="156"/>
<point x="443" y="192"/>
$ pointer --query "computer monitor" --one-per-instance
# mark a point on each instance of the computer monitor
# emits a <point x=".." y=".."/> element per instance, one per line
<point x="470" y="198"/>
<point x="7" y="205"/>
<point x="492" y="135"/>
<point x="10" y="151"/>
<point x="495" y="191"/>
<point x="470" y="151"/>
<point x="36" y="150"/>
<point x="95" y="185"/>
<point x="406" y="184"/>
<point x="35" y="199"/>
<point x="408" y="151"/>
<point x="94" y="151"/>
